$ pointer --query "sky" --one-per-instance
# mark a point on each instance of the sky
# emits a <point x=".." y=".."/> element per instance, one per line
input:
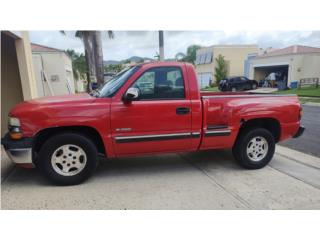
<point x="145" y="43"/>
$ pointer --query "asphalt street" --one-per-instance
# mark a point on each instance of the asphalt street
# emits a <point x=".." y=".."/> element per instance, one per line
<point x="201" y="180"/>
<point x="309" y="142"/>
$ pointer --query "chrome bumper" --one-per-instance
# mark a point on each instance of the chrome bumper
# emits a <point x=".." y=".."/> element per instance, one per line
<point x="19" y="151"/>
<point x="20" y="156"/>
<point x="299" y="132"/>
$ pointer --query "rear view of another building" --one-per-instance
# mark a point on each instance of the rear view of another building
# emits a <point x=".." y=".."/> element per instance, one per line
<point x="234" y="55"/>
<point x="53" y="71"/>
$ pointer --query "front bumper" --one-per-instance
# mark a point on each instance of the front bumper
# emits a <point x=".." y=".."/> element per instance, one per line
<point x="19" y="151"/>
<point x="299" y="132"/>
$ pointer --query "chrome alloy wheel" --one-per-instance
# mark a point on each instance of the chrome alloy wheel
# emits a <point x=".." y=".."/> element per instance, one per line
<point x="257" y="149"/>
<point x="68" y="160"/>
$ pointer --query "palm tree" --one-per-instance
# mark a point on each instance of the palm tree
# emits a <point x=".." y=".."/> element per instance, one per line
<point x="79" y="65"/>
<point x="93" y="53"/>
<point x="190" y="56"/>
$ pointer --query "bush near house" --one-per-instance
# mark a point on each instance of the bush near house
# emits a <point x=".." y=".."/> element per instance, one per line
<point x="221" y="69"/>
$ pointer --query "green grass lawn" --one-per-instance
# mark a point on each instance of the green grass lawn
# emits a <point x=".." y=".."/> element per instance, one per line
<point x="303" y="92"/>
<point x="310" y="91"/>
<point x="305" y="99"/>
<point x="212" y="89"/>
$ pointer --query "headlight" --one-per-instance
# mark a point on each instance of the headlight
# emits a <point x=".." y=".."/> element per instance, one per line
<point x="14" y="128"/>
<point x="14" y="122"/>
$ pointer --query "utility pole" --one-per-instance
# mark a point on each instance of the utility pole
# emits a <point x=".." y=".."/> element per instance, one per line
<point x="161" y="47"/>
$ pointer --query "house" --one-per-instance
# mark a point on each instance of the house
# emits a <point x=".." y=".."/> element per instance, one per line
<point x="293" y="62"/>
<point x="53" y="71"/>
<point x="234" y="55"/>
<point x="18" y="81"/>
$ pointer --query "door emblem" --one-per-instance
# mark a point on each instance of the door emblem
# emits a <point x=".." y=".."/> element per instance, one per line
<point x="123" y="129"/>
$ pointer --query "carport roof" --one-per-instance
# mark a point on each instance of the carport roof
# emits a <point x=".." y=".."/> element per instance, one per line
<point x="294" y="49"/>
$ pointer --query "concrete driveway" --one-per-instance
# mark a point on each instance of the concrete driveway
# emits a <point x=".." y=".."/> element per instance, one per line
<point x="203" y="180"/>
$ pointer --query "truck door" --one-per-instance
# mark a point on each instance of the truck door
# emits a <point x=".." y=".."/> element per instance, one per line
<point x="159" y="120"/>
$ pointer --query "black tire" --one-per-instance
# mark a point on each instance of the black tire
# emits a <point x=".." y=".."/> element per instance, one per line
<point x="254" y="86"/>
<point x="57" y="141"/>
<point x="240" y="148"/>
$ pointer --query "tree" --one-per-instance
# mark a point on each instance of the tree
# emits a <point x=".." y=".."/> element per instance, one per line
<point x="115" y="68"/>
<point x="179" y="56"/>
<point x="79" y="65"/>
<point x="93" y="54"/>
<point x="221" y="69"/>
<point x="190" y="56"/>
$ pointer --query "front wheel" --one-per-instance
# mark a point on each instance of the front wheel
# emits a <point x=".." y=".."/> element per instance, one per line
<point x="68" y="158"/>
<point x="254" y="148"/>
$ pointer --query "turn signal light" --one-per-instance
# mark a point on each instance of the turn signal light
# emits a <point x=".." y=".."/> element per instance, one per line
<point x="15" y="135"/>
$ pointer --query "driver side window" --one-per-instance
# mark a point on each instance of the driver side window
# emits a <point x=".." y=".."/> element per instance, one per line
<point x="161" y="83"/>
<point x="145" y="83"/>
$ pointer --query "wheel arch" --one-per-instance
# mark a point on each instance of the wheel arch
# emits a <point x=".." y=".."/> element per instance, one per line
<point x="269" y="123"/>
<point x="87" y="131"/>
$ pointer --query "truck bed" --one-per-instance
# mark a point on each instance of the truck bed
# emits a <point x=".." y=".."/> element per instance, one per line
<point x="223" y="114"/>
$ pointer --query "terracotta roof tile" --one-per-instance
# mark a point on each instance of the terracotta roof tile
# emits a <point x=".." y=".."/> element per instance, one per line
<point x="41" y="48"/>
<point x="294" y="49"/>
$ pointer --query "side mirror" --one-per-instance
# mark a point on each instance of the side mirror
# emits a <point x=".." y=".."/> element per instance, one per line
<point x="131" y="94"/>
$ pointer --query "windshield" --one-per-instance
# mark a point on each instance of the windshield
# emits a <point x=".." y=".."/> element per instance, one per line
<point x="114" y="84"/>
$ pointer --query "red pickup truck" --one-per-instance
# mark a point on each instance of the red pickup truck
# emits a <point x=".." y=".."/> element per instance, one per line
<point x="147" y="109"/>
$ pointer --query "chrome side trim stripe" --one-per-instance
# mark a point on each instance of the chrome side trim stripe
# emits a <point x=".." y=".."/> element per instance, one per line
<point x="195" y="134"/>
<point x="217" y="127"/>
<point x="217" y="133"/>
<point x="250" y="96"/>
<point x="173" y="136"/>
<point x="156" y="137"/>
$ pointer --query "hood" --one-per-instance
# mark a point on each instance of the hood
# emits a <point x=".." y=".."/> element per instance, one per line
<point x="68" y="110"/>
<point x="52" y="101"/>
<point x="63" y="98"/>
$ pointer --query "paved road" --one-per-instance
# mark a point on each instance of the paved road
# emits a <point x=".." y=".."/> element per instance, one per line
<point x="203" y="180"/>
<point x="309" y="142"/>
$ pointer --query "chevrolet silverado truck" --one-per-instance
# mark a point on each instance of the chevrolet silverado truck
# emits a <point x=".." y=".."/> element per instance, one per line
<point x="150" y="108"/>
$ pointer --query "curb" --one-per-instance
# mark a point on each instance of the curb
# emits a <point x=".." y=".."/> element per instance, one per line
<point x="298" y="156"/>
<point x="314" y="104"/>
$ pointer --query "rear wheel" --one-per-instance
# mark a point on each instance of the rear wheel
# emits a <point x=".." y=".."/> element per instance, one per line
<point x="68" y="158"/>
<point x="254" y="86"/>
<point x="254" y="148"/>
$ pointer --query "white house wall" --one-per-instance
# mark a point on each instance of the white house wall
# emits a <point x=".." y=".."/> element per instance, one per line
<point x="300" y="66"/>
<point x="69" y="72"/>
<point x="58" y="68"/>
<point x="311" y="66"/>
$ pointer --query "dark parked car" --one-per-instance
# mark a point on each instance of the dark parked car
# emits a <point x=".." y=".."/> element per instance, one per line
<point x="237" y="83"/>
